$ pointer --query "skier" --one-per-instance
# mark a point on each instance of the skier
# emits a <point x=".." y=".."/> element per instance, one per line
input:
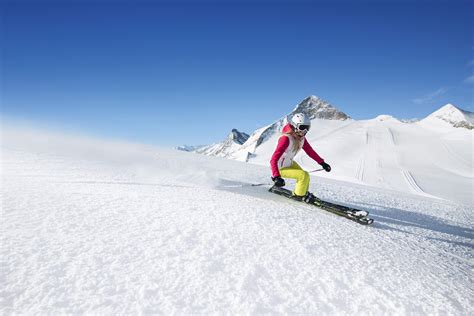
<point x="282" y="163"/>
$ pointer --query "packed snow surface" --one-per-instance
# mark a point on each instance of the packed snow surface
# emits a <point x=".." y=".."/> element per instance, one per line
<point x="95" y="226"/>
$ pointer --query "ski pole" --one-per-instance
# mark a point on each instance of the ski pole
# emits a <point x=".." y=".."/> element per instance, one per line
<point x="245" y="185"/>
<point x="260" y="184"/>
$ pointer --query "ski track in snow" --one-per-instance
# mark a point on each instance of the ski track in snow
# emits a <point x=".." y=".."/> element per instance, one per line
<point x="392" y="137"/>
<point x="412" y="182"/>
<point x="181" y="233"/>
<point x="359" y="171"/>
<point x="377" y="140"/>
<point x="408" y="176"/>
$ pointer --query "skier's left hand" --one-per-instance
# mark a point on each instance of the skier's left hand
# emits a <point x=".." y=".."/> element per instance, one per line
<point x="279" y="182"/>
<point x="326" y="167"/>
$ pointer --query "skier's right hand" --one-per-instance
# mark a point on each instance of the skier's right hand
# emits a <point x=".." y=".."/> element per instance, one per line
<point x="279" y="182"/>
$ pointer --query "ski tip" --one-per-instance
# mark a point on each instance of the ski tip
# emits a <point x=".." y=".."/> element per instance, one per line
<point x="366" y="221"/>
<point x="370" y="221"/>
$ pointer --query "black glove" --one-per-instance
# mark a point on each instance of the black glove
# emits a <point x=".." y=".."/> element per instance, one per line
<point x="279" y="182"/>
<point x="326" y="167"/>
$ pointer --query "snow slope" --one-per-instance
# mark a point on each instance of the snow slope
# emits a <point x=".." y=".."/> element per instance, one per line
<point x="386" y="153"/>
<point x="95" y="226"/>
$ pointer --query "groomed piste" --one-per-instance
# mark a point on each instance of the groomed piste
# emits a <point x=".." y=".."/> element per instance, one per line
<point x="99" y="226"/>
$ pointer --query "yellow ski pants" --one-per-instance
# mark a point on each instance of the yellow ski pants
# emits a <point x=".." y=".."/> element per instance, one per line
<point x="302" y="178"/>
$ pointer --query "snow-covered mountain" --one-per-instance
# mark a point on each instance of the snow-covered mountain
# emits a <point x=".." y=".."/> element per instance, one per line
<point x="316" y="108"/>
<point x="386" y="118"/>
<point x="98" y="227"/>
<point x="189" y="147"/>
<point x="450" y="115"/>
<point x="227" y="148"/>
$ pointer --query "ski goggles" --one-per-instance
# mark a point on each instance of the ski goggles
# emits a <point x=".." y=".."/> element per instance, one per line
<point x="302" y="127"/>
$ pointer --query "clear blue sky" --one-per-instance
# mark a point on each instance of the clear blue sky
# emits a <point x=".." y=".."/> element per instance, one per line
<point x="174" y="73"/>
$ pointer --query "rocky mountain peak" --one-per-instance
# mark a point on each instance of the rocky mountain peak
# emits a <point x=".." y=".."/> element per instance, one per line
<point x="453" y="115"/>
<point x="316" y="107"/>
<point x="238" y="137"/>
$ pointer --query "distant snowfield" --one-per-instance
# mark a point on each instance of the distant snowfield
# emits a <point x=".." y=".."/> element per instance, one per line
<point x="95" y="226"/>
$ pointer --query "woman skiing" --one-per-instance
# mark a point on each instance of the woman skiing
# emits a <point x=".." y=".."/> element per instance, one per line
<point x="282" y="163"/>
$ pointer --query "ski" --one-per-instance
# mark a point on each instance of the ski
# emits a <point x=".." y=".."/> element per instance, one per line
<point x="355" y="215"/>
<point x="352" y="211"/>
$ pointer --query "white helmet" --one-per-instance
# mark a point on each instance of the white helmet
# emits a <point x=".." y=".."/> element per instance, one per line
<point x="300" y="122"/>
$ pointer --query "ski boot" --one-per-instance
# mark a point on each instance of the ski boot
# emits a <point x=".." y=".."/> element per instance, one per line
<point x="298" y="198"/>
<point x="308" y="198"/>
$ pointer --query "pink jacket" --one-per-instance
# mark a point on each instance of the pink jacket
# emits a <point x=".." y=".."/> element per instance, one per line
<point x="284" y="154"/>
